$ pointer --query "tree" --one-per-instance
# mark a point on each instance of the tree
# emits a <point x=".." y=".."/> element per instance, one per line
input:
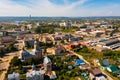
<point x="1" y="52"/>
<point x="34" y="61"/>
<point x="28" y="45"/>
<point x="44" y="29"/>
<point x="11" y="47"/>
<point x="15" y="62"/>
<point x="30" y="61"/>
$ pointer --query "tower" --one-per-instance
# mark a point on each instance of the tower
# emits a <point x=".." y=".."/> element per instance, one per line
<point x="35" y="44"/>
<point x="37" y="51"/>
<point x="24" y="42"/>
<point x="23" y="54"/>
<point x="47" y="64"/>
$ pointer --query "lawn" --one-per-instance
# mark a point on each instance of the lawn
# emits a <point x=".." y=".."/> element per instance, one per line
<point x="23" y="76"/>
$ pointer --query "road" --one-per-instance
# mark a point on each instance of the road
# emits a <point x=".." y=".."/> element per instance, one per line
<point x="4" y="65"/>
<point x="81" y="57"/>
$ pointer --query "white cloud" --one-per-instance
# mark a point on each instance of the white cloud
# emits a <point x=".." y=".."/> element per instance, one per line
<point x="47" y="8"/>
<point x="40" y="8"/>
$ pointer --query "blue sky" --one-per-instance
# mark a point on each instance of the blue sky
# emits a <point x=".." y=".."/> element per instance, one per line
<point x="60" y="7"/>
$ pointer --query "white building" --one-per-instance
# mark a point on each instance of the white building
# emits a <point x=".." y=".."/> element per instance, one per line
<point x="47" y="64"/>
<point x="35" y="75"/>
<point x="14" y="76"/>
<point x="62" y="24"/>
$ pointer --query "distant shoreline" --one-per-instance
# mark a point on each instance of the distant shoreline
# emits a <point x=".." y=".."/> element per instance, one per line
<point x="25" y="18"/>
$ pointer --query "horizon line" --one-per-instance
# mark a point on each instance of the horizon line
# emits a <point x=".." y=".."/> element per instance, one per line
<point x="60" y="16"/>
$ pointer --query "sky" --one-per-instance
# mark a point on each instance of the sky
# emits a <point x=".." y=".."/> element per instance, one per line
<point x="57" y="8"/>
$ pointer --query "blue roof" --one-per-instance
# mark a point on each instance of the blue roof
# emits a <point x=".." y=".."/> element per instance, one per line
<point x="33" y="66"/>
<point x="79" y="61"/>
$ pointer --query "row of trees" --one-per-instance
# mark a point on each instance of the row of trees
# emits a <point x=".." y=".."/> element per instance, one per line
<point x="2" y="53"/>
<point x="17" y="62"/>
<point x="8" y="26"/>
<point x="9" y="48"/>
<point x="44" y="29"/>
<point x="32" y="61"/>
<point x="115" y="27"/>
<point x="111" y="54"/>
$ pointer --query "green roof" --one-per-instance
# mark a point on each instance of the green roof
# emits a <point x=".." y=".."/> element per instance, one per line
<point x="114" y="68"/>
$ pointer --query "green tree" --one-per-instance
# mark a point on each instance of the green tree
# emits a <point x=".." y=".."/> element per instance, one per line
<point x="16" y="62"/>
<point x="11" y="47"/>
<point x="44" y="29"/>
<point x="2" y="53"/>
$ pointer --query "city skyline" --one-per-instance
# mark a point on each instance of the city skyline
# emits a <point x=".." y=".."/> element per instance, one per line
<point x="69" y="8"/>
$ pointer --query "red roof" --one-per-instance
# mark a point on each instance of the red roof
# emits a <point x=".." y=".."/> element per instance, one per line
<point x="95" y="71"/>
<point x="7" y="39"/>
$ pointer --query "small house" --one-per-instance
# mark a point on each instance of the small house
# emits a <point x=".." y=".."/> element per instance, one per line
<point x="96" y="74"/>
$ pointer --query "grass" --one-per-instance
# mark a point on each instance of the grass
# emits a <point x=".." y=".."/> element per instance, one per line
<point x="23" y="76"/>
<point x="82" y="77"/>
<point x="114" y="78"/>
<point x="68" y="30"/>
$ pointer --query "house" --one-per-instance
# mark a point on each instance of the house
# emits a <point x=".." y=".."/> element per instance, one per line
<point x="57" y="50"/>
<point x="53" y="75"/>
<point x="25" y="36"/>
<point x="74" y="45"/>
<point x="96" y="74"/>
<point x="79" y="62"/>
<point x="28" y="42"/>
<point x="85" y="43"/>
<point x="105" y="62"/>
<point x="62" y="24"/>
<point x="29" y="26"/>
<point x="14" y="76"/>
<point x="35" y="75"/>
<point x="113" y="69"/>
<point x="56" y="39"/>
<point x="84" y="66"/>
<point x="100" y="48"/>
<point x="46" y="40"/>
<point x="7" y="39"/>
